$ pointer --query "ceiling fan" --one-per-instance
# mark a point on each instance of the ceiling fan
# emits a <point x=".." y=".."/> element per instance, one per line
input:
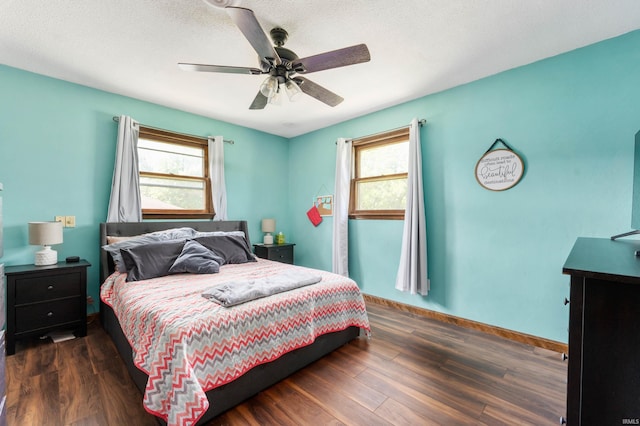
<point x="283" y="65"/>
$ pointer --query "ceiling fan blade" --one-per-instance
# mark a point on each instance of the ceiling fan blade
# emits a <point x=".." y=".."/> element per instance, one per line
<point x="333" y="59"/>
<point x="246" y="21"/>
<point x="219" y="68"/>
<point x="259" y="102"/>
<point x="316" y="91"/>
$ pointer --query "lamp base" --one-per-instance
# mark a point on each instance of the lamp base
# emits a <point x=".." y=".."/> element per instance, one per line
<point x="268" y="239"/>
<point x="46" y="256"/>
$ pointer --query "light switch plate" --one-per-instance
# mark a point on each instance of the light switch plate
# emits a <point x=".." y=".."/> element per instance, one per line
<point x="61" y="219"/>
<point x="70" y="221"/>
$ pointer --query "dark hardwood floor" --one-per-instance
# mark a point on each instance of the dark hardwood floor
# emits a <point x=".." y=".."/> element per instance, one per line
<point x="413" y="371"/>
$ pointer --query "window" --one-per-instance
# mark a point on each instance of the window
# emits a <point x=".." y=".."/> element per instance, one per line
<point x="174" y="175"/>
<point x="379" y="181"/>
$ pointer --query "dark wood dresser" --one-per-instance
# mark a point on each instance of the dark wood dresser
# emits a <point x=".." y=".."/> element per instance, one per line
<point x="3" y="381"/>
<point x="3" y="387"/>
<point x="603" y="386"/>
<point x="45" y="298"/>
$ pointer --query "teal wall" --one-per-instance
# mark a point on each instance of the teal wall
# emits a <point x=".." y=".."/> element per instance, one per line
<point x="57" y="150"/>
<point x="496" y="257"/>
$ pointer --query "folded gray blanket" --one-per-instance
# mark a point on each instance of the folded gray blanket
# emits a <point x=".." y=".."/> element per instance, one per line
<point x="236" y="292"/>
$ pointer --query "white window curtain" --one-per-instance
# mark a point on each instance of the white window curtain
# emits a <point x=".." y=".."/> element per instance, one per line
<point x="216" y="174"/>
<point x="341" y="208"/>
<point x="412" y="272"/>
<point x="125" y="203"/>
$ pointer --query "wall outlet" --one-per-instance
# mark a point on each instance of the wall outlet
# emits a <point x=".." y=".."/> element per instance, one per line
<point x="61" y="219"/>
<point x="70" y="221"/>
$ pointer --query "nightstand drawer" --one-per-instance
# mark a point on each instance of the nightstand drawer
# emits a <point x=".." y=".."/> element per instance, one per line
<point x="35" y="289"/>
<point x="281" y="254"/>
<point x="43" y="315"/>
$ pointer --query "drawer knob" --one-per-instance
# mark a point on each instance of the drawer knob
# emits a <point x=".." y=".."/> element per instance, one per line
<point x="50" y="287"/>
<point x="564" y="356"/>
<point x="566" y="301"/>
<point x="49" y="314"/>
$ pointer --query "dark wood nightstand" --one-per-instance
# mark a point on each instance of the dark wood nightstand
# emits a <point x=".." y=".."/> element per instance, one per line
<point x="278" y="252"/>
<point x="45" y="298"/>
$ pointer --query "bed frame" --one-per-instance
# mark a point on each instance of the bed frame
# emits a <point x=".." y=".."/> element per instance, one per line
<point x="255" y="380"/>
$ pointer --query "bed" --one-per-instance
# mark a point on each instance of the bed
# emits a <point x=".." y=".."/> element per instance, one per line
<point x="192" y="386"/>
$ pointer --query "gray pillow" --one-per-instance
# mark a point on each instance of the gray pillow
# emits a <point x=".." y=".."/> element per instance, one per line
<point x="231" y="248"/>
<point x="168" y="234"/>
<point x="197" y="259"/>
<point x="151" y="260"/>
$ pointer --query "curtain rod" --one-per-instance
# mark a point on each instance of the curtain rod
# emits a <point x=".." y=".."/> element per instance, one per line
<point x="230" y="142"/>
<point x="421" y="123"/>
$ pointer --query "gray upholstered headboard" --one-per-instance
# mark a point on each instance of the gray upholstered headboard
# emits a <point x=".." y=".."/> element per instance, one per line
<point x="124" y="229"/>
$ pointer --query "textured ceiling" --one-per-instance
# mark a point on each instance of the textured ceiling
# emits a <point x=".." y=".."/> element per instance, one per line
<point x="418" y="47"/>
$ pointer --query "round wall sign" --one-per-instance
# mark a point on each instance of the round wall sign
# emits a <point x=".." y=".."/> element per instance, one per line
<point x="499" y="169"/>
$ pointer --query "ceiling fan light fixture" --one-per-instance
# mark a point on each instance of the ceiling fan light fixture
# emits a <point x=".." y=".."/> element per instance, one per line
<point x="276" y="99"/>
<point x="269" y="87"/>
<point x="281" y="63"/>
<point x="222" y="3"/>
<point x="293" y="90"/>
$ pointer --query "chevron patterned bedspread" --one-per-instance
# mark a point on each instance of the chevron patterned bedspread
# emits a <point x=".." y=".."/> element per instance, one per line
<point x="189" y="345"/>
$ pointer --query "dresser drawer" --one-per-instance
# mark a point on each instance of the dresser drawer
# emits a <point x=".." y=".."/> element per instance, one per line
<point x="43" y="315"/>
<point x="35" y="289"/>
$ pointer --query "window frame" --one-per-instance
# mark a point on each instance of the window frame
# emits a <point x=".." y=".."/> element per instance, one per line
<point x="377" y="140"/>
<point x="167" y="136"/>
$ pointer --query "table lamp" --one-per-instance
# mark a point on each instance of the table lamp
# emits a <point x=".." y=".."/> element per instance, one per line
<point x="268" y="226"/>
<point x="45" y="234"/>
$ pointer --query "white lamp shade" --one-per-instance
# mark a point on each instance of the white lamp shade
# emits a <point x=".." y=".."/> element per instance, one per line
<point x="45" y="233"/>
<point x="268" y="225"/>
